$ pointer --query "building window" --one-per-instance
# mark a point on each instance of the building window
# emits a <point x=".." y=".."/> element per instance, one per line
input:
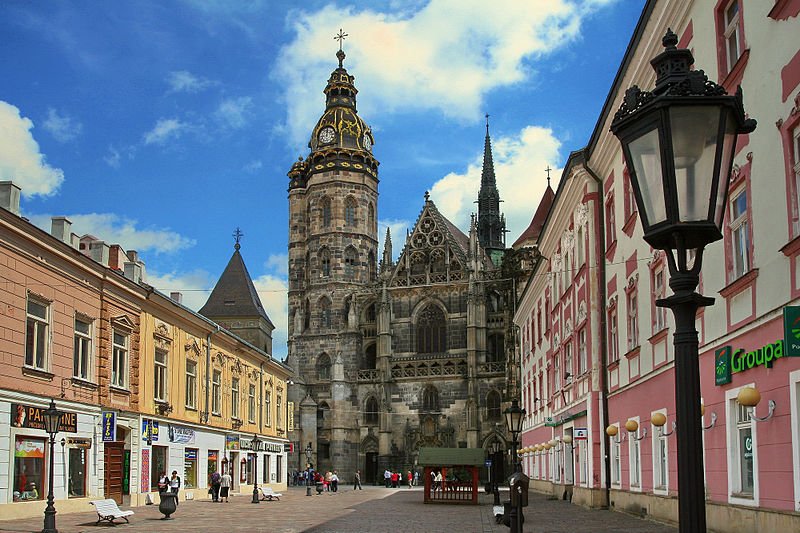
<point x="740" y="234"/>
<point x="29" y="469"/>
<point x="633" y="319"/>
<point x="630" y="199"/>
<point x="613" y="336"/>
<point x="373" y="271"/>
<point x="659" y="290"/>
<point x="580" y="244"/>
<point x="37" y="337"/>
<point x="731" y="34"/>
<point x="190" y="468"/>
<point x="350" y="259"/>
<point x="743" y="449"/>
<point x="568" y="362"/>
<point x="158" y="464"/>
<point x="267" y="459"/>
<point x="370" y="217"/>
<point x="611" y="225"/>
<point x="371" y="412"/>
<point x="78" y="461"/>
<point x="267" y="408"/>
<point x="251" y="403"/>
<point x="160" y="376"/>
<point x="582" y="355"/>
<point x="634" y="448"/>
<point x="324" y="367"/>
<point x="430" y="399"/>
<point x="119" y="360"/>
<point x="279" y="411"/>
<point x="325" y="262"/>
<point x="235" y="398"/>
<point x="350" y="211"/>
<point x="795" y="152"/>
<point x="660" y="457"/>
<point x="191" y="384"/>
<point x="370" y="357"/>
<point x="324" y="313"/>
<point x="493" y="405"/>
<point x="431" y="331"/>
<point x="82" y="356"/>
<point x="495" y="352"/>
<point x="616" y="462"/>
<point x="557" y="371"/>
<point x="216" y="392"/>
<point x="326" y="212"/>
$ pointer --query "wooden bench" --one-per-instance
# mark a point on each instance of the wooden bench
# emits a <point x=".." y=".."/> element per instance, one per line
<point x="108" y="510"/>
<point x="267" y="494"/>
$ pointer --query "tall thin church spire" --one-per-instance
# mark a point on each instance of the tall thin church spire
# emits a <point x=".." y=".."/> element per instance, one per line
<point x="491" y="223"/>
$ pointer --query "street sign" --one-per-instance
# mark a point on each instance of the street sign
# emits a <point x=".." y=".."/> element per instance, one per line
<point x="791" y="331"/>
<point x="488" y="463"/>
<point x="580" y="433"/>
<point x="288" y="447"/>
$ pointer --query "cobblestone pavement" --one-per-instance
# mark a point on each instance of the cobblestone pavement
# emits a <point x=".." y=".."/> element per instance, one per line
<point x="375" y="509"/>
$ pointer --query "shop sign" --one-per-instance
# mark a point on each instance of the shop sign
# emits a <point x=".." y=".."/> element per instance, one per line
<point x="144" y="459"/>
<point x="28" y="416"/>
<point x="791" y="331"/>
<point x="290" y="416"/>
<point x="180" y="434"/>
<point x="231" y="442"/>
<point x="728" y="361"/>
<point x="190" y="454"/>
<point x="288" y="447"/>
<point x="580" y="433"/>
<point x="109" y="420"/>
<point x="150" y="430"/>
<point x="75" y="442"/>
<point x="247" y="444"/>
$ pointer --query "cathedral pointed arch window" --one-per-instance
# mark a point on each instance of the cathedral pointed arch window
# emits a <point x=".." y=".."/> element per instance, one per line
<point x="493" y="401"/>
<point x="327" y="212"/>
<point x="306" y="314"/>
<point x="430" y="399"/>
<point x="350" y="211"/>
<point x="370" y="217"/>
<point x="324" y="367"/>
<point x="495" y="349"/>
<point x="431" y="331"/>
<point x="371" y="411"/>
<point x="370" y="358"/>
<point x="372" y="265"/>
<point x="324" y="312"/>
<point x="325" y="262"/>
<point x="350" y="260"/>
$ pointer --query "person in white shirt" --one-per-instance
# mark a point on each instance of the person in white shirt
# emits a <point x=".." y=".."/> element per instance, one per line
<point x="225" y="487"/>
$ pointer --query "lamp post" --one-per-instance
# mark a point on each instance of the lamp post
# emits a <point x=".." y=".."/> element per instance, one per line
<point x="52" y="419"/>
<point x="255" y="443"/>
<point x="679" y="141"/>
<point x="514" y="416"/>
<point x="309" y="451"/>
<point x="495" y="468"/>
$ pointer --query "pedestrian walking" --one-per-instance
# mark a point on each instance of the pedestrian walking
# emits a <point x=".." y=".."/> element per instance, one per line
<point x="215" y="481"/>
<point x="409" y="478"/>
<point x="334" y="482"/>
<point x="175" y="485"/>
<point x="387" y="477"/>
<point x="225" y="487"/>
<point x="163" y="482"/>
<point x="357" y="481"/>
<point x="416" y="477"/>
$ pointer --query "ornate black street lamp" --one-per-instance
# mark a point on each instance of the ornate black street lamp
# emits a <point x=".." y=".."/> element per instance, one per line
<point x="309" y="451"/>
<point x="514" y="416"/>
<point x="679" y="141"/>
<point x="495" y="469"/>
<point x="255" y="443"/>
<point x="52" y="421"/>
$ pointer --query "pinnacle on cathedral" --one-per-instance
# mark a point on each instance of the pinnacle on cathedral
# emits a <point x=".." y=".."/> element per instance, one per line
<point x="491" y="223"/>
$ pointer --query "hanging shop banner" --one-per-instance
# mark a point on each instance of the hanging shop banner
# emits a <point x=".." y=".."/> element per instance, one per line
<point x="144" y="468"/>
<point x="109" y="420"/>
<point x="290" y="416"/>
<point x="791" y="331"/>
<point x="580" y="433"/>
<point x="150" y="430"/>
<point x="28" y="416"/>
<point x="180" y="434"/>
<point x="75" y="442"/>
<point x="231" y="442"/>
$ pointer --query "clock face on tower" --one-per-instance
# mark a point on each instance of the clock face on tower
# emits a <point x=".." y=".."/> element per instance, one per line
<point x="367" y="142"/>
<point x="326" y="135"/>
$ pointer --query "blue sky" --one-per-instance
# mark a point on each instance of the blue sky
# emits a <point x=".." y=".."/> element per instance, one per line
<point x="163" y="126"/>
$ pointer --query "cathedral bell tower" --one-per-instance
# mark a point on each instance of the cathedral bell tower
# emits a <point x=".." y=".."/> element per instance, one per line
<point x="491" y="223"/>
<point x="333" y="247"/>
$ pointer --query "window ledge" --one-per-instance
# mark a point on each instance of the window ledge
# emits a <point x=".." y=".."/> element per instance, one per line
<point x="613" y="365"/>
<point x="84" y="383"/>
<point x="37" y="373"/>
<point x="627" y="229"/>
<point x="734" y="77"/>
<point x="611" y="249"/>
<point x="741" y="283"/>
<point x="659" y="335"/>
<point x="792" y="247"/>
<point x="190" y="408"/>
<point x="633" y="352"/>
<point x="784" y="9"/>
<point x="119" y="390"/>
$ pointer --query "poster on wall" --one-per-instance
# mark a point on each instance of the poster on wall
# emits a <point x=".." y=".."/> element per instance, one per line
<point x="144" y="470"/>
<point x="180" y="434"/>
<point x="29" y="416"/>
<point x="150" y="429"/>
<point x="231" y="442"/>
<point x="109" y="420"/>
<point x="30" y="449"/>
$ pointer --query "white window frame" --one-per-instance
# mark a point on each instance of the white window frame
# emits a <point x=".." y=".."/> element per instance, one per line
<point x="659" y="291"/>
<point x="568" y="363"/>
<point x="613" y="335"/>
<point x="740" y="236"/>
<point x="580" y="251"/>
<point x="267" y="407"/>
<point x="190" y="400"/>
<point x="731" y="33"/>
<point x="160" y="375"/>
<point x="278" y="411"/>
<point x="583" y="462"/>
<point x="732" y="447"/>
<point x="634" y="461"/>
<point x="37" y="322"/>
<point x="83" y="349"/>
<point x="659" y="468"/>
<point x="120" y="359"/>
<point x="583" y="361"/>
<point x="616" y="458"/>
<point x="794" y="398"/>
<point x="632" y="314"/>
<point x="216" y="392"/>
<point x="235" y="398"/>
<point x="251" y="403"/>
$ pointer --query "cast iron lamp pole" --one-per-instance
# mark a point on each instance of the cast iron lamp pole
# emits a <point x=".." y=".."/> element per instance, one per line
<point x="309" y="451"/>
<point x="514" y="416"/>
<point x="495" y="468"/>
<point x="52" y="419"/>
<point x="679" y="141"/>
<point x="255" y="443"/>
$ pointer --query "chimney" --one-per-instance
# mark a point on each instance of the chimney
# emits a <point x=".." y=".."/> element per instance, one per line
<point x="61" y="229"/>
<point x="177" y="297"/>
<point x="98" y="251"/>
<point x="133" y="255"/>
<point x="133" y="271"/>
<point x="75" y="240"/>
<point x="9" y="196"/>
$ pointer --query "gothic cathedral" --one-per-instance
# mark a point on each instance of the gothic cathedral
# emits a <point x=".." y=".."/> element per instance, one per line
<point x="389" y="356"/>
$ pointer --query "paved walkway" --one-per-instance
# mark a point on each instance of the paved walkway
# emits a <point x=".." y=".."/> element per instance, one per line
<point x="375" y="509"/>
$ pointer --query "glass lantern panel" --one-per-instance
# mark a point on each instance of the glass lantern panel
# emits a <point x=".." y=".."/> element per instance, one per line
<point x="694" y="147"/>
<point x="645" y="154"/>
<point x="728" y="148"/>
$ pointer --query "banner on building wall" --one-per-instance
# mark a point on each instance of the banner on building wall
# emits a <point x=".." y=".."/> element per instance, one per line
<point x="150" y="430"/>
<point x="791" y="331"/>
<point x="180" y="434"/>
<point x="109" y="421"/>
<point x="290" y="416"/>
<point x="144" y="469"/>
<point x="580" y="433"/>
<point x="28" y="416"/>
<point x="29" y="449"/>
<point x="231" y="442"/>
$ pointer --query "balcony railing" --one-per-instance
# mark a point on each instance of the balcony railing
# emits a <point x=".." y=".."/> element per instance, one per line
<point x="370" y="374"/>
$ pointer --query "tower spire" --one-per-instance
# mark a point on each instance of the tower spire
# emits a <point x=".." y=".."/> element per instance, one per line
<point x="491" y="224"/>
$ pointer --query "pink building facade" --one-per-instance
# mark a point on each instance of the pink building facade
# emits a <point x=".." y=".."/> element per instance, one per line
<point x="752" y="455"/>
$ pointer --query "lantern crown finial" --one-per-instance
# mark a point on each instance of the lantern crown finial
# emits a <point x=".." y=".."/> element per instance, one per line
<point x="670" y="40"/>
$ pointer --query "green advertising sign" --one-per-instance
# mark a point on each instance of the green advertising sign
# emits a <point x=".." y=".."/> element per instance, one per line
<point x="722" y="366"/>
<point x="791" y="331"/>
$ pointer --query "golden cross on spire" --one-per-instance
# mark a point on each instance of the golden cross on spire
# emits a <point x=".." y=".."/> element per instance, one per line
<point x="548" y="169"/>
<point x="340" y="37"/>
<point x="237" y="235"/>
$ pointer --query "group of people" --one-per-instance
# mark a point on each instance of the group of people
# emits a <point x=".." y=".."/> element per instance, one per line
<point x="395" y="479"/>
<point x="220" y="487"/>
<point x="169" y="484"/>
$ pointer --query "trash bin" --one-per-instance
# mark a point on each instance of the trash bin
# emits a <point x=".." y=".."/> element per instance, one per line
<point x="168" y="504"/>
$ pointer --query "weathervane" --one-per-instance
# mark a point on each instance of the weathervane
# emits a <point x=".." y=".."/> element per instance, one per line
<point x="548" y="169"/>
<point x="237" y="235"/>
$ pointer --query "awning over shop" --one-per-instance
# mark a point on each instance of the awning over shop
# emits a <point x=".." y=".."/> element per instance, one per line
<point x="451" y="456"/>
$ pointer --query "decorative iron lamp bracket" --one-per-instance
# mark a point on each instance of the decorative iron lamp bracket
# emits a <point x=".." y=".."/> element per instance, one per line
<point x="769" y="414"/>
<point x="667" y="433"/>
<point x="713" y="422"/>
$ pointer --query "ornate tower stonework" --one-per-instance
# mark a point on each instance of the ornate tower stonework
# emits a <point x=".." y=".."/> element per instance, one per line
<point x="491" y="222"/>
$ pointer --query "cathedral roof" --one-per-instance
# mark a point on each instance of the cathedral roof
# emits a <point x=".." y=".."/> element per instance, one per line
<point x="234" y="295"/>
<point x="531" y="234"/>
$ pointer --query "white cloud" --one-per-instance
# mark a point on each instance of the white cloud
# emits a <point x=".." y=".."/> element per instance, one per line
<point x="63" y="128"/>
<point x="183" y="81"/>
<point x="20" y="158"/>
<point x="414" y="61"/>
<point x="195" y="286"/>
<point x="115" y="155"/>
<point x="233" y="112"/>
<point x="278" y="263"/>
<point x="519" y="163"/>
<point x="273" y="290"/>
<point x="253" y="166"/>
<point x="126" y="232"/>
<point x="398" y="228"/>
<point x="164" y="130"/>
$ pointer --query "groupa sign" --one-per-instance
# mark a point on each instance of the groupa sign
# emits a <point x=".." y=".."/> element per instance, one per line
<point x="729" y="361"/>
